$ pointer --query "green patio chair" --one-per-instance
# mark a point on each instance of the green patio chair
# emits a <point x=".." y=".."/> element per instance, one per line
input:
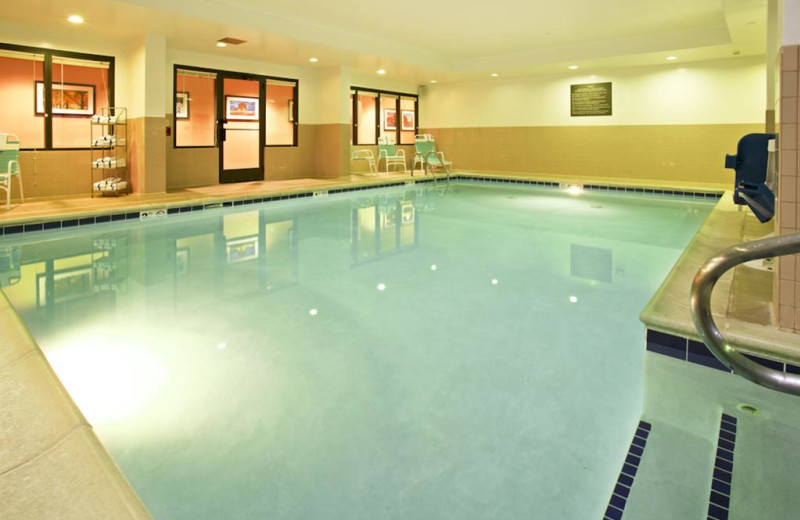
<point x="427" y="156"/>
<point x="9" y="165"/>
<point x="390" y="154"/>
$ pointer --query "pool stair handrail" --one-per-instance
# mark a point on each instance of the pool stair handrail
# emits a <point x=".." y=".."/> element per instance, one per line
<point x="702" y="287"/>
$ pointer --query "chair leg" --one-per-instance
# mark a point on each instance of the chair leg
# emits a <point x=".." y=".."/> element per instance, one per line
<point x="21" y="193"/>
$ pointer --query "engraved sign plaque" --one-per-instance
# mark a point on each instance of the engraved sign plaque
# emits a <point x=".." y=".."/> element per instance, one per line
<point x="590" y="99"/>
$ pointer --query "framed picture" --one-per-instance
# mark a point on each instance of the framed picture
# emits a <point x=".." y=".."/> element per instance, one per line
<point x="69" y="99"/>
<point x="390" y="119"/>
<point x="241" y="108"/>
<point x="291" y="110"/>
<point x="181" y="105"/>
<point x="408" y="120"/>
<point x="68" y="284"/>
<point x="242" y="249"/>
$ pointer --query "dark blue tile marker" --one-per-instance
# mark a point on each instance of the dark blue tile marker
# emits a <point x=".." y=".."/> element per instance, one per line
<point x="619" y="497"/>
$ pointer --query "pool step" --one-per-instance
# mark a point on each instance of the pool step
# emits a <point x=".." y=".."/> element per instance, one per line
<point x="673" y="479"/>
<point x="765" y="476"/>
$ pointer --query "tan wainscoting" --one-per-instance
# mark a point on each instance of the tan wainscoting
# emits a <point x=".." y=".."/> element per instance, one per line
<point x="332" y="151"/>
<point x="192" y="167"/>
<point x="671" y="153"/>
<point x="54" y="173"/>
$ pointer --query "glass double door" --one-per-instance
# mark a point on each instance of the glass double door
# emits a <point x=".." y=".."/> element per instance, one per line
<point x="240" y="126"/>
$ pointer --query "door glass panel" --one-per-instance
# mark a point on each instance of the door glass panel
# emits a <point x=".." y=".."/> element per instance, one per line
<point x="80" y="89"/>
<point x="366" y="118"/>
<point x="407" y="119"/>
<point x="21" y="74"/>
<point x="389" y="117"/>
<point x="280" y="113"/>
<point x="241" y="146"/>
<point x="195" y="108"/>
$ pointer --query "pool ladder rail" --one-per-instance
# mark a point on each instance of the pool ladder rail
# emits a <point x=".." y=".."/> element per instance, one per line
<point x="702" y="287"/>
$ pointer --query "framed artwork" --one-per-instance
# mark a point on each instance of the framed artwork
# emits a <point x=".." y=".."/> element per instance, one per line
<point x="291" y="110"/>
<point x="241" y="108"/>
<point x="68" y="284"/>
<point x="390" y="119"/>
<point x="69" y="99"/>
<point x="242" y="250"/>
<point x="408" y="120"/>
<point x="181" y="105"/>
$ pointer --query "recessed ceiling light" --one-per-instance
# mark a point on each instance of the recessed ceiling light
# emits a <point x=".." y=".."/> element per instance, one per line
<point x="572" y="67"/>
<point x="75" y="18"/>
<point x="222" y="44"/>
<point x="381" y="72"/>
<point x="313" y="60"/>
<point x="494" y="74"/>
<point x="433" y="81"/>
<point x="672" y="58"/>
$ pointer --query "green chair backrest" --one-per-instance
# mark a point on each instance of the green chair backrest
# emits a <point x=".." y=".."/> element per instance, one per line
<point x="386" y="147"/>
<point x="424" y="143"/>
<point x="9" y="151"/>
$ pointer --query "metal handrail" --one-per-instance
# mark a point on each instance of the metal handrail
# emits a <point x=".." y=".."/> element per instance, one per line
<point x="703" y="285"/>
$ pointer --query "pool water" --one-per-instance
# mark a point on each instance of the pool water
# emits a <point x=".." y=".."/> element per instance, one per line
<point x="457" y="351"/>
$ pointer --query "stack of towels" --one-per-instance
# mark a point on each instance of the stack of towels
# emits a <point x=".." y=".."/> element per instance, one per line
<point x="107" y="120"/>
<point x="111" y="184"/>
<point x="108" y="162"/>
<point x="107" y="141"/>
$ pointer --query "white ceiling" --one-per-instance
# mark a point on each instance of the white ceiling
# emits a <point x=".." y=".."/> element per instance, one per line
<point x="420" y="40"/>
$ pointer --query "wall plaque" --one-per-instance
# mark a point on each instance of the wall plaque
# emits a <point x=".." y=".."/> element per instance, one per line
<point x="590" y="99"/>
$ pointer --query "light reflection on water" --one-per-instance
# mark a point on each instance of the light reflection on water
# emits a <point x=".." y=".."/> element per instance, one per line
<point x="448" y="352"/>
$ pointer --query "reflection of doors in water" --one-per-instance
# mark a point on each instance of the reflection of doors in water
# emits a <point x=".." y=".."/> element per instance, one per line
<point x="241" y="129"/>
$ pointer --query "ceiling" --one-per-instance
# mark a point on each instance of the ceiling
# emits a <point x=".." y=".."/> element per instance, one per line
<point x="422" y="40"/>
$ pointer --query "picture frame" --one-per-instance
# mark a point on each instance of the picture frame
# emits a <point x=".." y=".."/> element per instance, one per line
<point x="242" y="249"/>
<point x="291" y="110"/>
<point x="389" y="119"/>
<point x="239" y="108"/>
<point x="408" y="120"/>
<point x="68" y="99"/>
<point x="182" y="99"/>
<point x="68" y="284"/>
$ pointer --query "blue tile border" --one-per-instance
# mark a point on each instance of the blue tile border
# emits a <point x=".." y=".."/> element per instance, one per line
<point x="595" y="187"/>
<point x="117" y="217"/>
<point x="719" y="499"/>
<point x="695" y="352"/>
<point x="622" y="489"/>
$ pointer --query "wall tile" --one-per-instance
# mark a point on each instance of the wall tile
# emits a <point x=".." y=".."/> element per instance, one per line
<point x="787" y="315"/>
<point x="788" y="188"/>
<point x="788" y="137"/>
<point x="789" y="57"/>
<point x="789" y="107"/>
<point x="788" y="163"/>
<point x="788" y="215"/>
<point x="797" y="294"/>
<point x="786" y="292"/>
<point x="788" y="84"/>
<point x="786" y="267"/>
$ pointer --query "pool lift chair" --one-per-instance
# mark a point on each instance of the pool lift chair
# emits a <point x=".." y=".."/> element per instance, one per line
<point x="427" y="156"/>
<point x="389" y="153"/>
<point x="364" y="155"/>
<point x="9" y="165"/>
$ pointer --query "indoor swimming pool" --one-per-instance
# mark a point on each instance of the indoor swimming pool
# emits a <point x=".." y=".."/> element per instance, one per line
<point x="452" y="351"/>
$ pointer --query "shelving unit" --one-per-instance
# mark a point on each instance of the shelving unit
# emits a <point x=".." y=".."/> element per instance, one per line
<point x="110" y="152"/>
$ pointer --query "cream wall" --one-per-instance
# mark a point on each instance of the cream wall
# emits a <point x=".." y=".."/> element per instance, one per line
<point x="721" y="92"/>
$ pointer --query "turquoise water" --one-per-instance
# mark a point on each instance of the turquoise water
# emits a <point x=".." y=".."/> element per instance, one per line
<point x="462" y="352"/>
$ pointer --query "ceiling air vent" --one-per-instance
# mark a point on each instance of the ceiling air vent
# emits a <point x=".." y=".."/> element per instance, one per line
<point x="232" y="41"/>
